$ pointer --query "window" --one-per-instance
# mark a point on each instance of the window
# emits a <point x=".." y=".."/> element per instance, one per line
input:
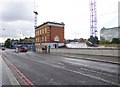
<point x="56" y="38"/>
<point x="42" y="39"/>
<point x="48" y="35"/>
<point x="40" y="31"/>
<point x="48" y="30"/>
<point x="36" y="33"/>
<point x="45" y="30"/>
<point x="48" y="38"/>
<point x="45" y="38"/>
<point x="36" y="39"/>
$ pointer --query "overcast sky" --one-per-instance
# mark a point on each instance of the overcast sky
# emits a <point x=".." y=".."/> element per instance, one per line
<point x="17" y="18"/>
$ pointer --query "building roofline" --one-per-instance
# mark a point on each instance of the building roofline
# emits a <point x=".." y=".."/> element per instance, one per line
<point x="50" y="23"/>
<point x="109" y="28"/>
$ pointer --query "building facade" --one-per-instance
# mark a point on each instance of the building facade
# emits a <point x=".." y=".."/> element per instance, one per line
<point x="49" y="34"/>
<point x="109" y="33"/>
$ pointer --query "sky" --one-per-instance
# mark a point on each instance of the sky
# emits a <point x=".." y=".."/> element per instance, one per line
<point x="17" y="17"/>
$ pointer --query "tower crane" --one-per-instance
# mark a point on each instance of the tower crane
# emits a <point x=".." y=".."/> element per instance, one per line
<point x="93" y="18"/>
<point x="35" y="15"/>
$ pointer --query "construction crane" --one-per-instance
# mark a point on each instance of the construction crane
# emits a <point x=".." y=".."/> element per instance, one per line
<point x="93" y="40"/>
<point x="93" y="18"/>
<point x="35" y="15"/>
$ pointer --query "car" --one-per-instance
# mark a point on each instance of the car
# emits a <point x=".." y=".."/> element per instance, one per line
<point x="2" y="48"/>
<point x="22" y="49"/>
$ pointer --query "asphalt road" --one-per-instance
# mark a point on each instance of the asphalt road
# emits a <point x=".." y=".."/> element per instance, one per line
<point x="46" y="69"/>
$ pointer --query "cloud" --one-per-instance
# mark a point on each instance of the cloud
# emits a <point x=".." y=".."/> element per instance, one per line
<point x="16" y="17"/>
<point x="16" y="11"/>
<point x="14" y="28"/>
<point x="76" y="15"/>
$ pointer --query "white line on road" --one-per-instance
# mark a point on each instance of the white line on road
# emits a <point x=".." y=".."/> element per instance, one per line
<point x="76" y="72"/>
<point x="91" y="64"/>
<point x="99" y="72"/>
<point x="60" y="67"/>
<point x="55" y="62"/>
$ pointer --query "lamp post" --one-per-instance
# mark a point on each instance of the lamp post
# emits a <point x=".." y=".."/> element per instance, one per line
<point x="2" y="38"/>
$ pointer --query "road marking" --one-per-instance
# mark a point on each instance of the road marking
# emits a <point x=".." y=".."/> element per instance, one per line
<point x="90" y="76"/>
<point x="100" y="72"/>
<point x="94" y="77"/>
<point x="81" y="68"/>
<point x="92" y="64"/>
<point x="55" y="62"/>
<point x="91" y="59"/>
<point x="22" y="77"/>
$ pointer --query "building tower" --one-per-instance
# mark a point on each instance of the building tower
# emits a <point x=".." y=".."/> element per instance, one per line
<point x="35" y="15"/>
<point x="93" y="18"/>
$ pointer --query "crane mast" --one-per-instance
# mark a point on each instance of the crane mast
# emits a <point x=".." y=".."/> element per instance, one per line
<point x="93" y="18"/>
<point x="35" y="15"/>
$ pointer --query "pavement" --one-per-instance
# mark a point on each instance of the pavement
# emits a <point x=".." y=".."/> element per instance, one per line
<point x="6" y="75"/>
<point x="106" y="59"/>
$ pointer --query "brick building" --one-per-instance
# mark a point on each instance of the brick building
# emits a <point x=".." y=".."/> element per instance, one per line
<point x="49" y="34"/>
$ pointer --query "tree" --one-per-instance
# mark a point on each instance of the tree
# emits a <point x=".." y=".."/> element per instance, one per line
<point x="8" y="43"/>
<point x="104" y="42"/>
<point x="20" y="40"/>
<point x="31" y="37"/>
<point x="115" y="41"/>
<point x="25" y="38"/>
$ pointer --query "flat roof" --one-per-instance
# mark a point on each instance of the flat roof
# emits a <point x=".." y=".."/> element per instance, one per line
<point x="51" y="24"/>
<point x="110" y="28"/>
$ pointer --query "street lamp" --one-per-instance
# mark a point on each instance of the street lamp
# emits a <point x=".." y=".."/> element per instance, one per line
<point x="2" y="43"/>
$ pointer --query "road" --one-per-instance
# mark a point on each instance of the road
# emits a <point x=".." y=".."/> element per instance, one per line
<point x="47" y="69"/>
